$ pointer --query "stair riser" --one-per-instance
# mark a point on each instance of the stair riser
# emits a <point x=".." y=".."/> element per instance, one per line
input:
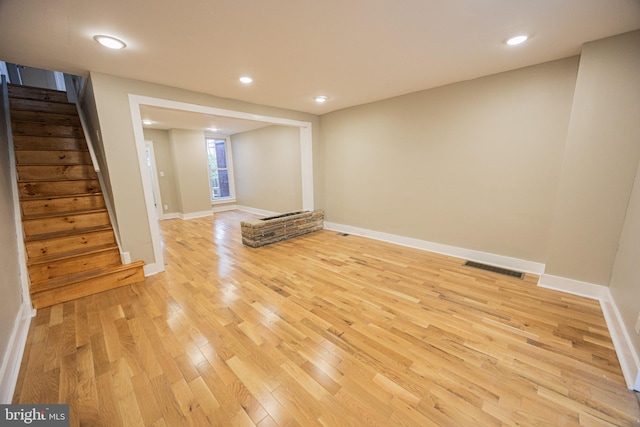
<point x="49" y="118"/>
<point x="40" y="129"/>
<point x="47" y="143"/>
<point x="53" y="157"/>
<point x="45" y="173"/>
<point x="79" y="264"/>
<point x="63" y="244"/>
<point x="37" y="93"/>
<point x="36" y="227"/>
<point x="67" y="204"/>
<point x="45" y="298"/>
<point x="60" y="188"/>
<point x="41" y="106"/>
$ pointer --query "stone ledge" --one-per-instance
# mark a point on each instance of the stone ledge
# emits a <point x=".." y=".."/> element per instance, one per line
<point x="264" y="231"/>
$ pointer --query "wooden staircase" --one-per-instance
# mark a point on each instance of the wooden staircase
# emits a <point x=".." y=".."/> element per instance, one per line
<point x="70" y="243"/>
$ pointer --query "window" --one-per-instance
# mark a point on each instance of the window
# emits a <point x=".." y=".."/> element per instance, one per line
<point x="220" y="174"/>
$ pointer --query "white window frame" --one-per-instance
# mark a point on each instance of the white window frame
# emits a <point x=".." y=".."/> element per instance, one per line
<point x="229" y="153"/>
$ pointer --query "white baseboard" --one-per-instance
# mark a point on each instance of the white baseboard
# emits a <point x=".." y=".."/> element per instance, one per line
<point x="125" y="257"/>
<point x="469" y="254"/>
<point x="187" y="216"/>
<point x="574" y="287"/>
<point x="172" y="215"/>
<point x="13" y="357"/>
<point x="256" y="211"/>
<point x="193" y="215"/>
<point x="627" y="356"/>
<point x="152" y="269"/>
<point x="224" y="208"/>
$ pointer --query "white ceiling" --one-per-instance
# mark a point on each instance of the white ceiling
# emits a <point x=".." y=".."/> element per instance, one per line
<point x="353" y="51"/>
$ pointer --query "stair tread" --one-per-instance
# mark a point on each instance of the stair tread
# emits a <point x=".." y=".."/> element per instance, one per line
<point x="56" y="180"/>
<point x="26" y="181"/>
<point x="49" y="143"/>
<point x="55" y="164"/>
<point x="40" y="106"/>
<point x="73" y="125"/>
<point x="47" y="236"/>
<point x="21" y="87"/>
<point x="83" y="150"/>
<point x="62" y="214"/>
<point x="71" y="254"/>
<point x="62" y="281"/>
<point x="35" y="98"/>
<point x="64" y="196"/>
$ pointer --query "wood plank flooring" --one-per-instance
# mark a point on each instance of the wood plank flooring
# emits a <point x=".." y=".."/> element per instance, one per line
<point x="323" y="330"/>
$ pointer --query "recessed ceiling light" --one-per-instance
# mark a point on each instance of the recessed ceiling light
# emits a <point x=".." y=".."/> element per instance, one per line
<point x="110" y="42"/>
<point x="320" y="99"/>
<point x="147" y="122"/>
<point x="246" y="79"/>
<point x="213" y="129"/>
<point x="517" y="40"/>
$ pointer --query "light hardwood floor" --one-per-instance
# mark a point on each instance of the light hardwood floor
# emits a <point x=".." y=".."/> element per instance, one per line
<point x="324" y="330"/>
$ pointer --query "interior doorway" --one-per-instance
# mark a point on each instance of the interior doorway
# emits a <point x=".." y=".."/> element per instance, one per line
<point x="135" y="101"/>
<point x="150" y="158"/>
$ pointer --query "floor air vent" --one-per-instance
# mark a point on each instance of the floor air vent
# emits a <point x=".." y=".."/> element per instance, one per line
<point x="494" y="269"/>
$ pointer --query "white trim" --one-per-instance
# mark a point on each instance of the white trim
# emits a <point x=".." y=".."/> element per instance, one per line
<point x="256" y="211"/>
<point x="59" y="78"/>
<point x="627" y="356"/>
<point x="155" y="184"/>
<point x="225" y="201"/>
<point x="193" y="215"/>
<point x="154" y="228"/>
<point x="306" y="166"/>
<point x="17" y="215"/>
<point x="224" y="208"/>
<point x="172" y="215"/>
<point x="12" y="359"/>
<point x="152" y="269"/>
<point x="125" y="257"/>
<point x="3" y="70"/>
<point x="177" y="105"/>
<point x="574" y="287"/>
<point x="469" y="254"/>
<point x="135" y="101"/>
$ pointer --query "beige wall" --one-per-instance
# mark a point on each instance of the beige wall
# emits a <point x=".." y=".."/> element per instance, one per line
<point x="93" y="124"/>
<point x="164" y="164"/>
<point x="10" y="287"/>
<point x="625" y="280"/>
<point x="112" y="104"/>
<point x="267" y="168"/>
<point x="191" y="171"/>
<point x="473" y="164"/>
<point x="602" y="154"/>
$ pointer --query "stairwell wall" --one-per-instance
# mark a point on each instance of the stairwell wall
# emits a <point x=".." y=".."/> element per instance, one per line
<point x="10" y="285"/>
<point x="93" y="123"/>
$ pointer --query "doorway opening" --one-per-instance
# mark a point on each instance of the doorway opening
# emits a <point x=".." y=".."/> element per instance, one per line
<point x="135" y="101"/>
